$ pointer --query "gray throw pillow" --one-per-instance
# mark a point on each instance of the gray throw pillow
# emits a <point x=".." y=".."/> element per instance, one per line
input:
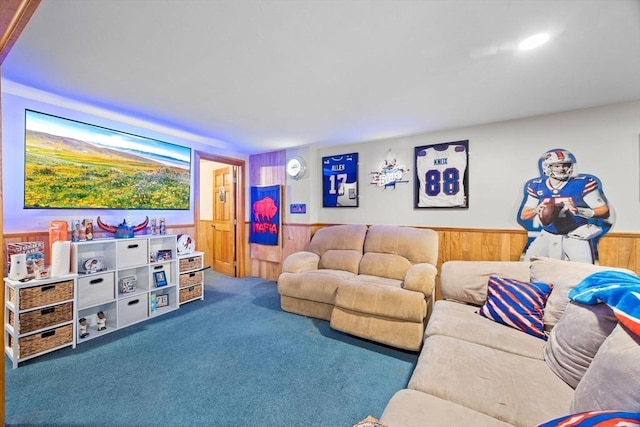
<point x="612" y="382"/>
<point x="576" y="338"/>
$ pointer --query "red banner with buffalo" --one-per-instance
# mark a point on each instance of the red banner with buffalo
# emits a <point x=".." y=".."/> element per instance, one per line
<point x="265" y="215"/>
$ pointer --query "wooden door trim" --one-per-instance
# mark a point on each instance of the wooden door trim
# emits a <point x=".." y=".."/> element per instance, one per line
<point x="14" y="16"/>
<point x="240" y="202"/>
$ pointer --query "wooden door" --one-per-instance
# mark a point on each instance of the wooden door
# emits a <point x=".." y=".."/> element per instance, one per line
<point x="224" y="220"/>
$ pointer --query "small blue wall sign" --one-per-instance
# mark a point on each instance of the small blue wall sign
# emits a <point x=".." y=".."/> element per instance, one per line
<point x="300" y="208"/>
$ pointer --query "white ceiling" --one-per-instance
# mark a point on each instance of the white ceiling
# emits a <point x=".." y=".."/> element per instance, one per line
<point x="273" y="74"/>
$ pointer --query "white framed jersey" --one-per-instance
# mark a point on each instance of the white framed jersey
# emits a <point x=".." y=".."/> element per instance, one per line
<point x="340" y="181"/>
<point x="442" y="175"/>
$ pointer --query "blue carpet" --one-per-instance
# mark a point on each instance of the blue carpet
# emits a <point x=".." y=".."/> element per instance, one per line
<point x="234" y="359"/>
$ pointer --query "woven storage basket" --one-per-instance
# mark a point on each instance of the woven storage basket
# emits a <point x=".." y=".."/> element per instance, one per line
<point x="190" y="293"/>
<point x="37" y="296"/>
<point x="190" y="263"/>
<point x="188" y="279"/>
<point x="39" y="319"/>
<point x="42" y="341"/>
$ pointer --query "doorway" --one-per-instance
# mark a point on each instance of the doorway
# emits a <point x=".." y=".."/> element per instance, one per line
<point x="219" y="213"/>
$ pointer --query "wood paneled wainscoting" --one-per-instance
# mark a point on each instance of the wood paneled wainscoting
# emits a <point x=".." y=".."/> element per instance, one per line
<point x="615" y="249"/>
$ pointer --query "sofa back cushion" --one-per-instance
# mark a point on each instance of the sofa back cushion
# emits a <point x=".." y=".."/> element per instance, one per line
<point x="466" y="281"/>
<point x="339" y="246"/>
<point x="389" y="251"/>
<point x="612" y="381"/>
<point x="564" y="276"/>
<point x="576" y="338"/>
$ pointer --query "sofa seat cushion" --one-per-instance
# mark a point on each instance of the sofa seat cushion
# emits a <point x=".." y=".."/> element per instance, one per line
<point x="381" y="297"/>
<point x="460" y="321"/>
<point x="411" y="408"/>
<point x="514" y="389"/>
<point x="576" y="338"/>
<point x="314" y="285"/>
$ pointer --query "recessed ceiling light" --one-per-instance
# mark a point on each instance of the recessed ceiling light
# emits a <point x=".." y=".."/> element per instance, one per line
<point x="534" y="41"/>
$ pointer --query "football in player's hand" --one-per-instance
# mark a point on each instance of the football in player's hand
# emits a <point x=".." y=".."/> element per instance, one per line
<point x="548" y="212"/>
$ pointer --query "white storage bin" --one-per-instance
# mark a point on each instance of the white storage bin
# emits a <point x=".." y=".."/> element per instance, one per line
<point x="132" y="252"/>
<point x="95" y="289"/>
<point x="132" y="310"/>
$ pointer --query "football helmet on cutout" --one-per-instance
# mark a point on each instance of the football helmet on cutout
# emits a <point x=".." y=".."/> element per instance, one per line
<point x="556" y="156"/>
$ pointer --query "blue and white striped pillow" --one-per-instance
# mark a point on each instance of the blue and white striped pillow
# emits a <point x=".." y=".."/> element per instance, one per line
<point x="517" y="304"/>
<point x="596" y="419"/>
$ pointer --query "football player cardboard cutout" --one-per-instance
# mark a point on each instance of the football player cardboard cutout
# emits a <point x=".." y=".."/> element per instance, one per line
<point x="565" y="213"/>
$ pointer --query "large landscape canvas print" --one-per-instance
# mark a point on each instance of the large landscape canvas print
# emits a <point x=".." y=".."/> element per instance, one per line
<point x="75" y="165"/>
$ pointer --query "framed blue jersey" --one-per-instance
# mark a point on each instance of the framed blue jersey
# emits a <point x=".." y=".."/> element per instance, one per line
<point x="340" y="181"/>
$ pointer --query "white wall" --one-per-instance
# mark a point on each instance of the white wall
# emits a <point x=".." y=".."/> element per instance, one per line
<point x="502" y="157"/>
<point x="16" y="98"/>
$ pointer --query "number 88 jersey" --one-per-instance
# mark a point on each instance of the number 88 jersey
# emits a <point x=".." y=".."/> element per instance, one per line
<point x="441" y="171"/>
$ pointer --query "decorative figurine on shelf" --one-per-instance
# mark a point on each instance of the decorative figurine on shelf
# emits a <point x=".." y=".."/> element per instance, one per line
<point x="123" y="230"/>
<point x="83" y="328"/>
<point x="102" y="321"/>
<point x="88" y="229"/>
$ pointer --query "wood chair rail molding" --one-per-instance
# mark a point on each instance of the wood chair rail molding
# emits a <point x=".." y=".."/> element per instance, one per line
<point x="615" y="249"/>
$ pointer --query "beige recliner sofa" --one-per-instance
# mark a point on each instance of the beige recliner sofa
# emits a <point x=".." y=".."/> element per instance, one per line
<point x="475" y="371"/>
<point x="373" y="282"/>
<point x="309" y="279"/>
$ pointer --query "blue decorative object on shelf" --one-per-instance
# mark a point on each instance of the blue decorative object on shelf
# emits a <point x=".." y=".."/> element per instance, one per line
<point x="124" y="230"/>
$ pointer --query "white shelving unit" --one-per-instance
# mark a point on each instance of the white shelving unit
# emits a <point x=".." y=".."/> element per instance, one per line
<point x="39" y="316"/>
<point x="191" y="278"/>
<point x="131" y="283"/>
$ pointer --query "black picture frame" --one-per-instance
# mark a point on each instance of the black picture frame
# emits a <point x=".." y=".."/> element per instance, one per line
<point x="340" y="181"/>
<point x="160" y="278"/>
<point x="441" y="175"/>
<point x="162" y="300"/>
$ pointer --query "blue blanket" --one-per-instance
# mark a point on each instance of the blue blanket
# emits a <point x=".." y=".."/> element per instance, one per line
<point x="620" y="291"/>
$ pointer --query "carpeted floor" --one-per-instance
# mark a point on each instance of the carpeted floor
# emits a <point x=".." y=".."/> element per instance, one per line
<point x="234" y="359"/>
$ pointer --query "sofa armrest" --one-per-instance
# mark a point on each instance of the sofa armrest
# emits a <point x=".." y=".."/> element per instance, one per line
<point x="300" y="261"/>
<point x="421" y="278"/>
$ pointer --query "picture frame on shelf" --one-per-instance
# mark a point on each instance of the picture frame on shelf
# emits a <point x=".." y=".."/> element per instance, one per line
<point x="164" y="255"/>
<point x="160" y="279"/>
<point x="162" y="300"/>
<point x="128" y="284"/>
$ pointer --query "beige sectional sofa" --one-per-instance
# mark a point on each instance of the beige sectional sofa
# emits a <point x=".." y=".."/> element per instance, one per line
<point x="475" y="371"/>
<point x="373" y="282"/>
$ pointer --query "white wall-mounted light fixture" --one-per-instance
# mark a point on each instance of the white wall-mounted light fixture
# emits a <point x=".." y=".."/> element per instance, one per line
<point x="296" y="167"/>
<point x="534" y="41"/>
